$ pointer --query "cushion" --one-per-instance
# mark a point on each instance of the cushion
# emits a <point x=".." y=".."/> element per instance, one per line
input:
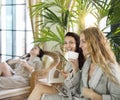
<point x="14" y="92"/>
<point x="47" y="60"/>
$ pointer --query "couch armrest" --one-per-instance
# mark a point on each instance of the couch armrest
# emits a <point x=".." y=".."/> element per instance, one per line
<point x="36" y="75"/>
<point x="44" y="72"/>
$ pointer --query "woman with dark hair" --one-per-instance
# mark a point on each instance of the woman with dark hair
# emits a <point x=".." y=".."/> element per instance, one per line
<point x="71" y="43"/>
<point x="100" y="75"/>
<point x="73" y="39"/>
<point x="40" y="55"/>
<point x="24" y="66"/>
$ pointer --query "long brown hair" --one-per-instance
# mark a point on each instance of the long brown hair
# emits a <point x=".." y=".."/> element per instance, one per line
<point x="100" y="50"/>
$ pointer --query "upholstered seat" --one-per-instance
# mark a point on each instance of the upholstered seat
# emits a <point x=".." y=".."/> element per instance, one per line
<point x="50" y="60"/>
<point x="44" y="73"/>
<point x="15" y="94"/>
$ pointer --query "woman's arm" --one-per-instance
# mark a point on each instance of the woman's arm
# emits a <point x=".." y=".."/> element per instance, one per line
<point x="89" y="93"/>
<point x="37" y="65"/>
<point x="112" y="92"/>
<point x="27" y="66"/>
<point x="12" y="61"/>
<point x="72" y="80"/>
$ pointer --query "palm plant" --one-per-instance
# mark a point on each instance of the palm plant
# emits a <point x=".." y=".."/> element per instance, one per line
<point x="83" y="7"/>
<point x="57" y="19"/>
<point x="114" y="37"/>
<point x="102" y="8"/>
<point x="110" y="9"/>
<point x="114" y="34"/>
<point x="48" y="35"/>
<point x="58" y="16"/>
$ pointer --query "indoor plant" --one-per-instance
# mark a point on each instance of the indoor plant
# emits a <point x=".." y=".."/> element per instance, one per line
<point x="56" y="22"/>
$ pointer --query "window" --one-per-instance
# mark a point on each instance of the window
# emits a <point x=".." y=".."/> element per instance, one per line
<point x="15" y="29"/>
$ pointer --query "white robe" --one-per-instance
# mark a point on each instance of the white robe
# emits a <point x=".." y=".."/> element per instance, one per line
<point x="22" y="75"/>
<point x="98" y="82"/>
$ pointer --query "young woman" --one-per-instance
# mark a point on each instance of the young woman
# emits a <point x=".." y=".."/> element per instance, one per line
<point x="103" y="71"/>
<point x="100" y="75"/>
<point x="72" y="42"/>
<point x="19" y="77"/>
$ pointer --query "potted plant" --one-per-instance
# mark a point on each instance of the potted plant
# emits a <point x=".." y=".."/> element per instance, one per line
<point x="59" y="16"/>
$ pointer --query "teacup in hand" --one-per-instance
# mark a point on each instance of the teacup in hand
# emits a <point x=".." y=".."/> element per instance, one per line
<point x="71" y="55"/>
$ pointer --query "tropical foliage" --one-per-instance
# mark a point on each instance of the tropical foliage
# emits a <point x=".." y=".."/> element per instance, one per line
<point x="60" y="16"/>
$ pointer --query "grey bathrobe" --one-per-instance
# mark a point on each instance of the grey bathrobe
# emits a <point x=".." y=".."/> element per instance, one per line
<point x="22" y="75"/>
<point x="98" y="82"/>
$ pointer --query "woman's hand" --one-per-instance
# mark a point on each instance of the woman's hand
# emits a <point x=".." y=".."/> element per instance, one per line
<point x="89" y="93"/>
<point x="64" y="74"/>
<point x="75" y="65"/>
<point x="24" y="63"/>
<point x="12" y="61"/>
<point x="27" y="66"/>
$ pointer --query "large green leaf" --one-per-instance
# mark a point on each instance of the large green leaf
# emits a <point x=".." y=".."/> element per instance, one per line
<point x="47" y="35"/>
<point x="57" y="14"/>
<point x="114" y="37"/>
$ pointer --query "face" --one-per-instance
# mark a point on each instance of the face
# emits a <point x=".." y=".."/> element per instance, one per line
<point x="83" y="45"/>
<point x="34" y="51"/>
<point x="70" y="43"/>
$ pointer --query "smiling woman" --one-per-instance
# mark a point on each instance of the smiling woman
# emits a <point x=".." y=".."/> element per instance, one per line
<point x="99" y="78"/>
<point x="71" y="43"/>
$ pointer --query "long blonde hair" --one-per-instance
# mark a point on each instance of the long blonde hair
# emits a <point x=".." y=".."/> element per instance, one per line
<point x="100" y="50"/>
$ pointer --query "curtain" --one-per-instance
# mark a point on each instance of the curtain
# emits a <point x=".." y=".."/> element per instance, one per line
<point x="33" y="19"/>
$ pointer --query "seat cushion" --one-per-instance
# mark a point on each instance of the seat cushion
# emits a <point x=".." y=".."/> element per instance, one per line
<point x="14" y="92"/>
<point x="47" y="60"/>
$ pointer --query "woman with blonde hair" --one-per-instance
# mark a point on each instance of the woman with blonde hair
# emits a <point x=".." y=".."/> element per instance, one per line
<point x="104" y="70"/>
<point x="100" y="75"/>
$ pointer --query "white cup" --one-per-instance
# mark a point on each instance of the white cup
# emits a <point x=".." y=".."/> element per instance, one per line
<point x="71" y="55"/>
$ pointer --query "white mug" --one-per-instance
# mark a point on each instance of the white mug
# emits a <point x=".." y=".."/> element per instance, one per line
<point x="71" y="55"/>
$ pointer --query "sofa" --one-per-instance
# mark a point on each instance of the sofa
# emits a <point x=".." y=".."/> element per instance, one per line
<point x="50" y="60"/>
